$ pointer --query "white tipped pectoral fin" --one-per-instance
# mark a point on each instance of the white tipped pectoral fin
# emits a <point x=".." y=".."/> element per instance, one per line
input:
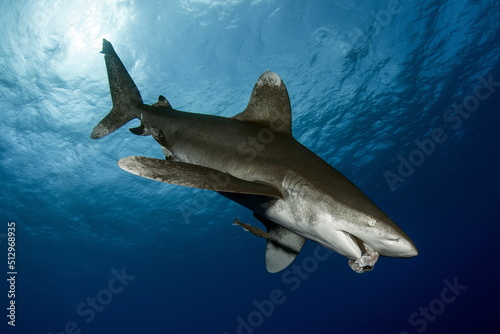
<point x="281" y="253"/>
<point x="189" y="175"/>
<point x="283" y="246"/>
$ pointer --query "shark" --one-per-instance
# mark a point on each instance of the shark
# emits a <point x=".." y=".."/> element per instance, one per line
<point x="253" y="159"/>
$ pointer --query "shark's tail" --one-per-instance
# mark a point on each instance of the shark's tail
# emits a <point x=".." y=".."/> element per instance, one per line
<point x="124" y="93"/>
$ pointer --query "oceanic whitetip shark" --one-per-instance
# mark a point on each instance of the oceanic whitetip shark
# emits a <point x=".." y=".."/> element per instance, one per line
<point x="253" y="159"/>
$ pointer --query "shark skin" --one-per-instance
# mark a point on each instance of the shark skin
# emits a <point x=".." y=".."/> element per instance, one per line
<point x="253" y="159"/>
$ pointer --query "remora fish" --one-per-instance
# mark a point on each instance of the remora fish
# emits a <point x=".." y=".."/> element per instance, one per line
<point x="253" y="159"/>
<point x="252" y="229"/>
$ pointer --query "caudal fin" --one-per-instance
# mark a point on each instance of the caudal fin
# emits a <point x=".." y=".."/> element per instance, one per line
<point x="124" y="94"/>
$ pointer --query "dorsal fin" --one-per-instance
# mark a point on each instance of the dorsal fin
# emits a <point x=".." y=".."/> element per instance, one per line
<point x="142" y="130"/>
<point x="162" y="102"/>
<point x="269" y="105"/>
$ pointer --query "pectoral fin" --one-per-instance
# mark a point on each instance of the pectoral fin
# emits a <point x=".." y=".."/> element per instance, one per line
<point x="189" y="175"/>
<point x="283" y="246"/>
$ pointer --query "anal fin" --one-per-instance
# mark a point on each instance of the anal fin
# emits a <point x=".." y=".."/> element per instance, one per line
<point x="140" y="131"/>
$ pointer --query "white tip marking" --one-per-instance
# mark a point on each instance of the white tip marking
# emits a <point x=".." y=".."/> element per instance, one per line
<point x="270" y="78"/>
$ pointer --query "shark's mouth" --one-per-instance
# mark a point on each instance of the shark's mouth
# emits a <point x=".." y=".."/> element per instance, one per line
<point x="362" y="257"/>
<point x="366" y="262"/>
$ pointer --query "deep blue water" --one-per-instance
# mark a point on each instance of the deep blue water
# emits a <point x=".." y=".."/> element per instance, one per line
<point x="367" y="81"/>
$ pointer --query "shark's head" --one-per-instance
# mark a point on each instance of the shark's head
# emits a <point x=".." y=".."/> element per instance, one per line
<point x="381" y="234"/>
<point x="388" y="239"/>
<point x="354" y="233"/>
<point x="345" y="221"/>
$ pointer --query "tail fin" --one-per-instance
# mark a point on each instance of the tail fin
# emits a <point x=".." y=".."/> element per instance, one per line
<point x="124" y="93"/>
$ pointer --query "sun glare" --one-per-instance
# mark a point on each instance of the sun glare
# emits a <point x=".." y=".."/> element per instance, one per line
<point x="87" y="28"/>
<point x="81" y="26"/>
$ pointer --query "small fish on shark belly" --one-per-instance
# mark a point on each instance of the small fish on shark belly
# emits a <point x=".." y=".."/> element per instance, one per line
<point x="246" y="158"/>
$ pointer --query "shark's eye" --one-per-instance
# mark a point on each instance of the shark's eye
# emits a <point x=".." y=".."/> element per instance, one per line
<point x="372" y="222"/>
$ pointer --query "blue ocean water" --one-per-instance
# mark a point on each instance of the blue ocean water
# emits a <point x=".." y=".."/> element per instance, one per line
<point x="402" y="97"/>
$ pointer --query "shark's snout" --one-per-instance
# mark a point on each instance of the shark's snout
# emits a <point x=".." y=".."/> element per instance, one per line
<point x="401" y="247"/>
<point x="406" y="248"/>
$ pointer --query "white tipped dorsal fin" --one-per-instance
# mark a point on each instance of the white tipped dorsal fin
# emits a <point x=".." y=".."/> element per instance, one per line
<point x="269" y="105"/>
